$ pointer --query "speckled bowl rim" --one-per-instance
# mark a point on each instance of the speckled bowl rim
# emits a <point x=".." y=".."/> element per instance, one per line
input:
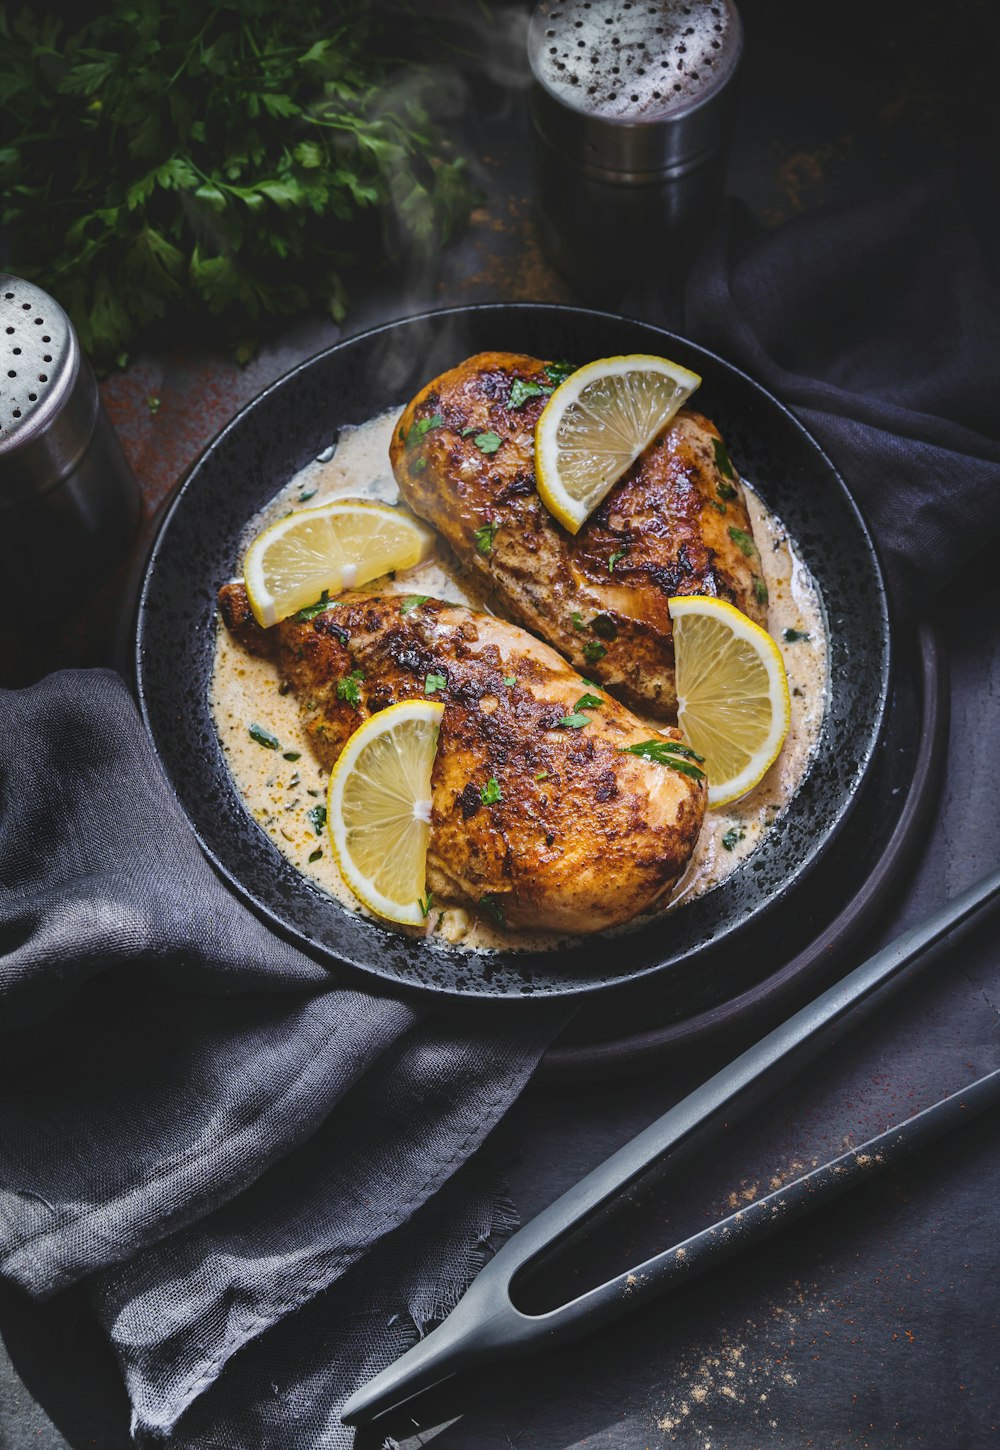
<point x="299" y="910"/>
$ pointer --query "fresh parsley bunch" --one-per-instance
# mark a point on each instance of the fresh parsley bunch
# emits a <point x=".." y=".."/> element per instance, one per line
<point x="228" y="157"/>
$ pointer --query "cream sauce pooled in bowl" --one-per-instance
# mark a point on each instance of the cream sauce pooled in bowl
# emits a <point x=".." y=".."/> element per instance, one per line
<point x="284" y="788"/>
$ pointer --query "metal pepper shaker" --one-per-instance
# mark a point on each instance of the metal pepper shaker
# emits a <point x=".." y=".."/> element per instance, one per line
<point x="632" y="104"/>
<point x="69" y="503"/>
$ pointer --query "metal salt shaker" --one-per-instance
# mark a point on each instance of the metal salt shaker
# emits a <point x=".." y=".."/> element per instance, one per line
<point x="632" y="106"/>
<point x="69" y="503"/>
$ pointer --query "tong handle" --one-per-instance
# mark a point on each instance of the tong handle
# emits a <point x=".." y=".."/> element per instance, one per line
<point x="486" y="1324"/>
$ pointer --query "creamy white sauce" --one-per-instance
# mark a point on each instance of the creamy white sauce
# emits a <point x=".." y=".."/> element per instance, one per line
<point x="282" y="794"/>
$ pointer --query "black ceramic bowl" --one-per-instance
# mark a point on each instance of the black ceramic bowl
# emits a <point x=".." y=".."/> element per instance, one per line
<point x="293" y="421"/>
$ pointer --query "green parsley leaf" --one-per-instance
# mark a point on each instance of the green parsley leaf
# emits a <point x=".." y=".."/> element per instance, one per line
<point x="578" y="621"/>
<point x="733" y="837"/>
<point x="722" y="460"/>
<point x="743" y="542"/>
<point x="604" y="626"/>
<point x="413" y="601"/>
<point x="322" y="604"/>
<point x="491" y="792"/>
<point x="760" y="590"/>
<point x="467" y="431"/>
<point x="593" y="651"/>
<point x="720" y="508"/>
<point x="484" y="537"/>
<point x="572" y="722"/>
<point x="418" y="465"/>
<point x="666" y="752"/>
<point x="435" y="682"/>
<point x="316" y="817"/>
<point x="349" y="688"/>
<point x="558" y="372"/>
<point x="316" y="855"/>
<point x="510" y="680"/>
<point x="791" y="635"/>
<point x="292" y="755"/>
<point x="521" y="390"/>
<point x="589" y="702"/>
<point x="616" y="558"/>
<point x="494" y="907"/>
<point x="543" y="775"/>
<point x="726" y="491"/>
<point x="422" y="426"/>
<point x="264" y="737"/>
<point x="487" y="442"/>
<point x="425" y="903"/>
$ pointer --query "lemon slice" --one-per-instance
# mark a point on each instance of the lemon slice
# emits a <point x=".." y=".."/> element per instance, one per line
<point x="379" y="808"/>
<point x="596" y="424"/>
<point x="333" y="547"/>
<point x="732" y="693"/>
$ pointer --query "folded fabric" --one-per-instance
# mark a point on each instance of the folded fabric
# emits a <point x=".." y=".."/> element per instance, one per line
<point x="878" y="324"/>
<point x="209" y="1124"/>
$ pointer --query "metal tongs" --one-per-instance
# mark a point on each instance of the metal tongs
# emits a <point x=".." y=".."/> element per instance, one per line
<point x="486" y="1325"/>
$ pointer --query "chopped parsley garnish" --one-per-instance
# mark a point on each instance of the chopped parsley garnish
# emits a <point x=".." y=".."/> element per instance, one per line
<point x="760" y="591"/>
<point x="323" y="603"/>
<point x="726" y="491"/>
<point x="484" y="537"/>
<point x="572" y="722"/>
<point x="666" y="752"/>
<point x="510" y="679"/>
<point x="720" y="508"/>
<point x="349" y="688"/>
<point x="418" y="465"/>
<point x="307" y="494"/>
<point x="593" y="651"/>
<point x="435" y="682"/>
<point x="588" y="702"/>
<point x="491" y="792"/>
<point x="317" y="854"/>
<point x="413" y="601"/>
<point x="316" y="817"/>
<point x="487" y="442"/>
<point x="521" y="390"/>
<point x="791" y="635"/>
<point x="578" y="620"/>
<point x="733" y="837"/>
<point x="743" y="542"/>
<point x="425" y="903"/>
<point x="292" y="755"/>
<point x="616" y="557"/>
<point x="494" y="908"/>
<point x="467" y="431"/>
<point x="558" y="372"/>
<point x="264" y="737"/>
<point x="722" y="460"/>
<point x="604" y="626"/>
<point x="542" y="775"/>
<point x="423" y="426"/>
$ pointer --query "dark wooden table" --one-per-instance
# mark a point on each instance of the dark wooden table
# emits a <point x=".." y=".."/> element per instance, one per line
<point x="874" y="1322"/>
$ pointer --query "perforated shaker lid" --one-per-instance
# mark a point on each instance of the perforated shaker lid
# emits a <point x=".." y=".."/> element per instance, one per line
<point x="634" y="86"/>
<point x="48" y="395"/>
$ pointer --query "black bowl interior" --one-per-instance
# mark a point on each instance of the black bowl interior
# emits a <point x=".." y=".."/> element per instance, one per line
<point x="293" y="421"/>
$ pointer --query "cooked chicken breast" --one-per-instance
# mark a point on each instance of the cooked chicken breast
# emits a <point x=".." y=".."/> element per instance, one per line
<point x="677" y="523"/>
<point x="581" y="837"/>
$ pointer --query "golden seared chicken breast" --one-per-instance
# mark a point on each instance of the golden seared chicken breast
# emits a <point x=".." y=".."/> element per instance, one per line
<point x="676" y="523"/>
<point x="538" y="805"/>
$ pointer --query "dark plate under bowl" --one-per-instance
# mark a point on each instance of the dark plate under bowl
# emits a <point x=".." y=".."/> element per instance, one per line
<point x="293" y="421"/>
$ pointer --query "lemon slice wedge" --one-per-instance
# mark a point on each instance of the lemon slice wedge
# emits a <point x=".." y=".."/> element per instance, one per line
<point x="379" y="808"/>
<point x="596" y="424"/>
<point x="334" y="547"/>
<point x="732" y="693"/>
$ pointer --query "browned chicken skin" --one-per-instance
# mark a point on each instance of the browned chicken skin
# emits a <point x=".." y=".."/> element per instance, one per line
<point x="583" y="837"/>
<point x="676" y="523"/>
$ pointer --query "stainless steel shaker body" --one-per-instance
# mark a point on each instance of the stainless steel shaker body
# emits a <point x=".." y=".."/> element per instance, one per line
<point x="69" y="503"/>
<point x="632" y="106"/>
